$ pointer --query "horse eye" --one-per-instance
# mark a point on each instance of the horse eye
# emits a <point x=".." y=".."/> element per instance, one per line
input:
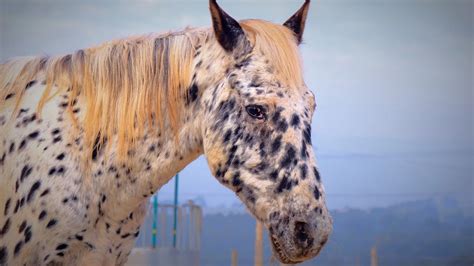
<point x="256" y="111"/>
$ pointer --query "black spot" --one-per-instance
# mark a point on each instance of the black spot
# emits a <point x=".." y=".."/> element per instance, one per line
<point x="282" y="125"/>
<point x="316" y="192"/>
<point x="280" y="122"/>
<point x="30" y="84"/>
<point x="274" y="215"/>
<point x="22" y="145"/>
<point x="57" y="139"/>
<point x="32" y="118"/>
<point x="89" y="245"/>
<point x="307" y="133"/>
<point x="12" y="147"/>
<point x="303" y="150"/>
<point x="227" y="135"/>
<point x="25" y="172"/>
<point x="33" y="190"/>
<point x="17" y="206"/>
<point x="42" y="215"/>
<point x="55" y="131"/>
<point x="256" y="83"/>
<point x="61" y="170"/>
<point x="65" y="200"/>
<point x="276" y="144"/>
<point x="284" y="184"/>
<point x="5" y="228"/>
<point x="22" y="227"/>
<point x="151" y="148"/>
<point x="52" y="171"/>
<point x="274" y="175"/>
<point x="23" y="110"/>
<point x="44" y="193"/>
<point x="295" y="120"/>
<point x="60" y="157"/>
<point x="248" y="138"/>
<point x="62" y="246"/>
<point x="193" y="93"/>
<point x="22" y="201"/>
<point x="51" y="223"/>
<point x="304" y="171"/>
<point x="236" y="182"/>
<point x="33" y="135"/>
<point x="79" y="237"/>
<point x="28" y="234"/>
<point x="7" y="206"/>
<point x="9" y="96"/>
<point x="316" y="173"/>
<point x="60" y="254"/>
<point x="276" y="116"/>
<point x="3" y="255"/>
<point x="289" y="156"/>
<point x="261" y="167"/>
<point x="103" y="198"/>
<point x="18" y="247"/>
<point x="125" y="235"/>
<point x="218" y="172"/>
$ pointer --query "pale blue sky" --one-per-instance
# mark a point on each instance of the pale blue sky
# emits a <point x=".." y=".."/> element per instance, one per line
<point x="393" y="82"/>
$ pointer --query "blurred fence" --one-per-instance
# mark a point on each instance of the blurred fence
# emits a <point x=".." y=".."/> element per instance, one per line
<point x="170" y="235"/>
<point x="188" y="227"/>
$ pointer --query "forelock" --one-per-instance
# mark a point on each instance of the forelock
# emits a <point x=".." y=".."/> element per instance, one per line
<point x="278" y="44"/>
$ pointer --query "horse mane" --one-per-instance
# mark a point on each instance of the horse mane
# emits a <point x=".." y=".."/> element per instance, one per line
<point x="279" y="45"/>
<point x="127" y="84"/>
<point x="132" y="83"/>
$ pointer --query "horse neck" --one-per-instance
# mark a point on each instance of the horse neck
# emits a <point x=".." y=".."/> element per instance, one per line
<point x="157" y="156"/>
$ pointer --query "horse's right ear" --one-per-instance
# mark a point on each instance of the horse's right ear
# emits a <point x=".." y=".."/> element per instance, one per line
<point x="297" y="22"/>
<point x="228" y="32"/>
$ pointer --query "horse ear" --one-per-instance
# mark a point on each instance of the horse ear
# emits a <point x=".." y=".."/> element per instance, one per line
<point x="228" y="32"/>
<point x="297" y="22"/>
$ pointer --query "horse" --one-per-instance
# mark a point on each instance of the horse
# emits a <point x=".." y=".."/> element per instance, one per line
<point x="87" y="137"/>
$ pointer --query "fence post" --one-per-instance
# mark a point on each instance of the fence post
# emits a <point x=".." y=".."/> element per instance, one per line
<point x="374" y="261"/>
<point x="234" y="257"/>
<point x="175" y="210"/>
<point x="258" y="243"/>
<point x="155" y="218"/>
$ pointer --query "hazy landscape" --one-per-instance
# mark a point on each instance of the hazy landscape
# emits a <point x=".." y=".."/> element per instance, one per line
<point x="428" y="232"/>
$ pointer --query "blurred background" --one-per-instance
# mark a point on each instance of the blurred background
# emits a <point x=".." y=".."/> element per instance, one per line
<point x="393" y="128"/>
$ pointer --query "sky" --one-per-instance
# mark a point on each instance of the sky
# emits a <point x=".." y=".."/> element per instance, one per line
<point x="393" y="83"/>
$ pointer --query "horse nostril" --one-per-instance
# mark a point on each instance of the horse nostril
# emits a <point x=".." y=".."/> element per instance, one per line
<point x="302" y="233"/>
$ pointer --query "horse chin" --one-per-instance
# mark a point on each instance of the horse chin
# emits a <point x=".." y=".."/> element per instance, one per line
<point x="278" y="250"/>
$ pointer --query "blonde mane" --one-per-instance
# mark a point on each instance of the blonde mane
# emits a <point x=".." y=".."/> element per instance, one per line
<point x="136" y="82"/>
<point x="278" y="44"/>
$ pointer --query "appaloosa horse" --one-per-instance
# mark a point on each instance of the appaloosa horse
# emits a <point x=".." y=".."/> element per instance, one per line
<point x="86" y="139"/>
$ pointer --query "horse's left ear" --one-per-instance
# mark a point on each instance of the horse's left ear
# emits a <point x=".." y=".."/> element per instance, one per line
<point x="297" y="22"/>
<point x="228" y="32"/>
